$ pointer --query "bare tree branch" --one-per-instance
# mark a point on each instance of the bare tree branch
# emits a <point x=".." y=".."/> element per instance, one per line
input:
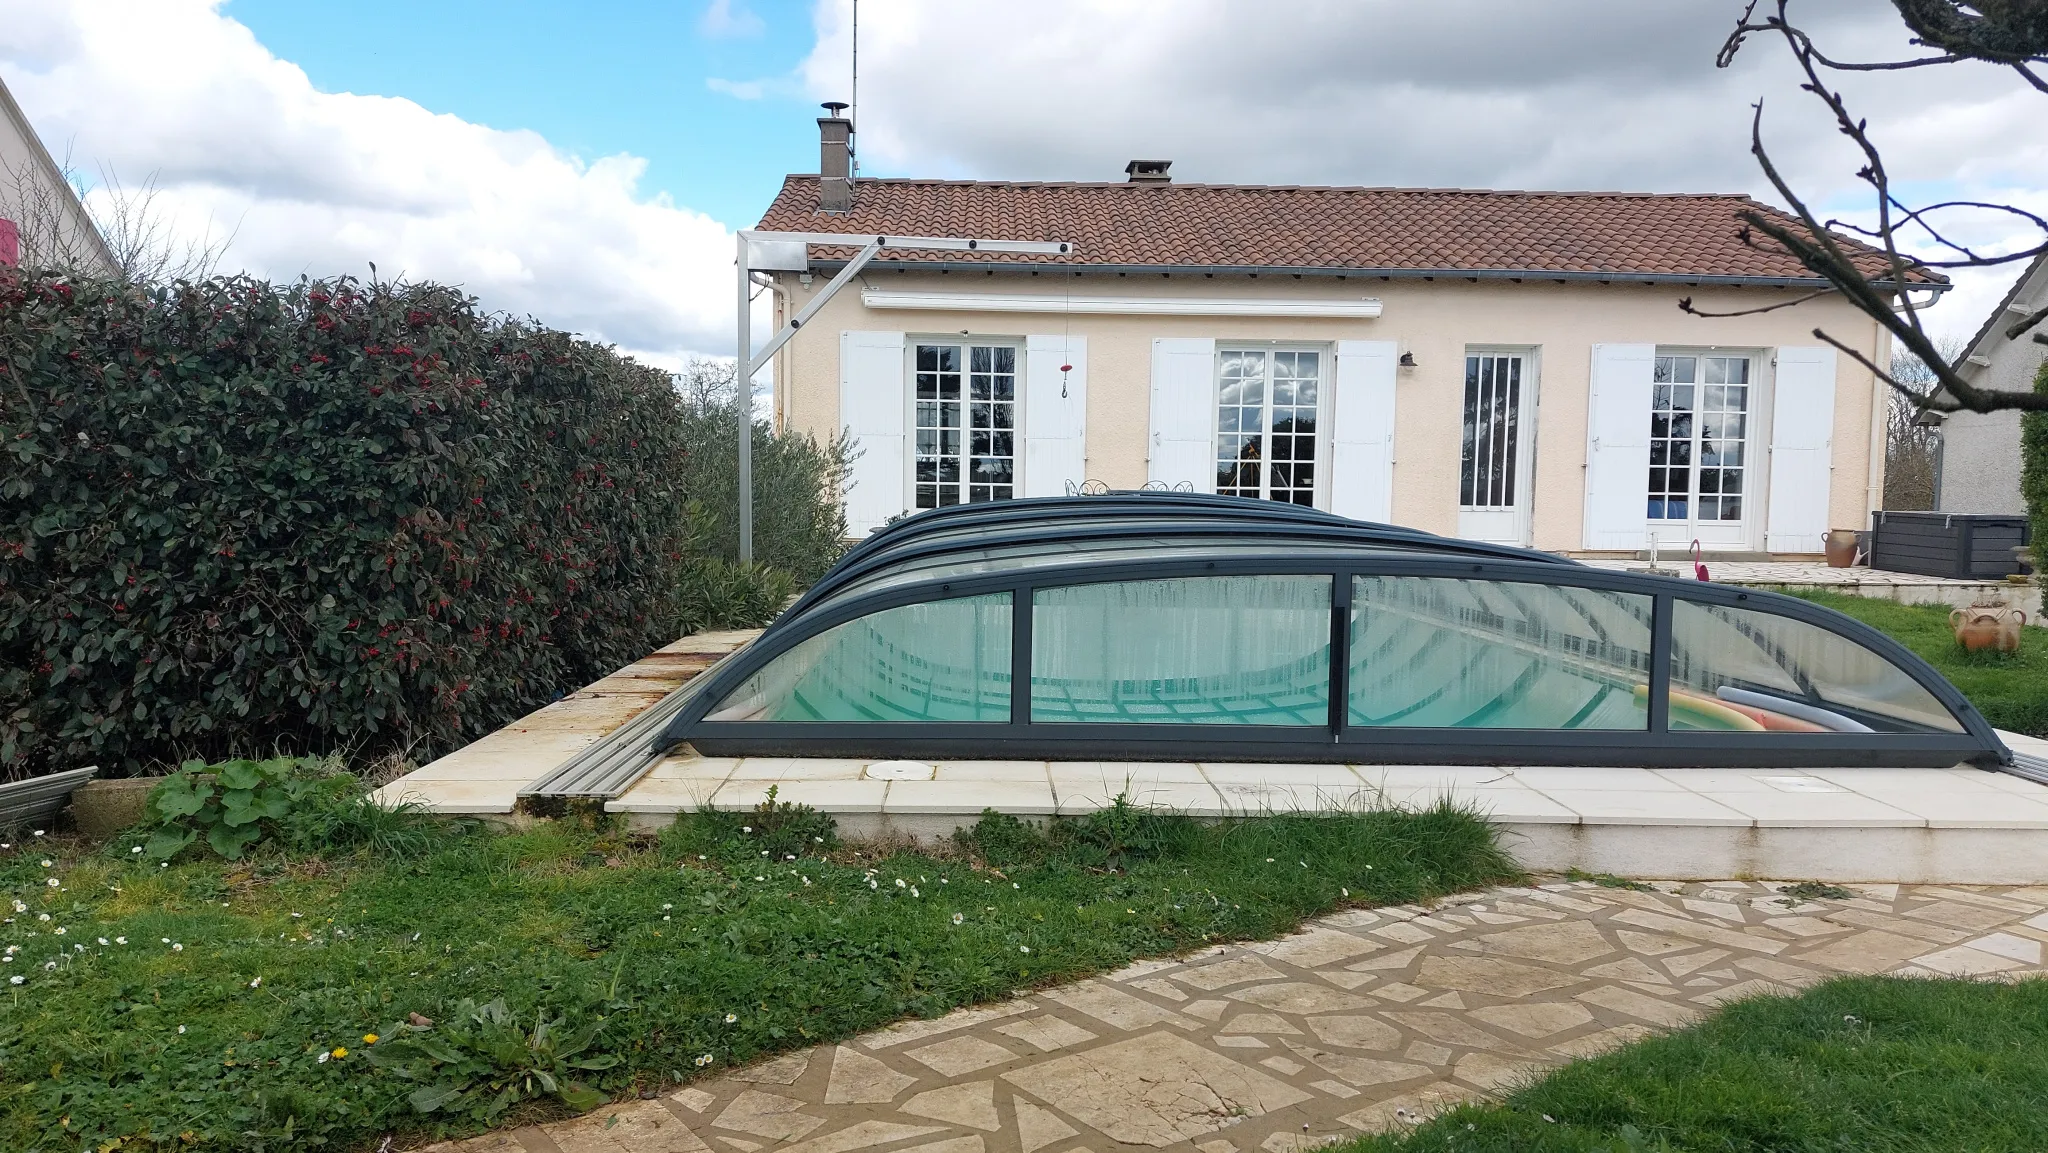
<point x="1685" y="305"/>
<point x="1879" y="278"/>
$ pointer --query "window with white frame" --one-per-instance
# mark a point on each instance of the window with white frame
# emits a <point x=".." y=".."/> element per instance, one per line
<point x="966" y="423"/>
<point x="1266" y="405"/>
<point x="1699" y="431"/>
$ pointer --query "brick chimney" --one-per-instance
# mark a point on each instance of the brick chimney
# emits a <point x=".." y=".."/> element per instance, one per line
<point x="835" y="160"/>
<point x="1148" y="172"/>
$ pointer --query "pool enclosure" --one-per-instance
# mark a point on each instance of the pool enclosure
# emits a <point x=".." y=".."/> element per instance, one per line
<point x="1172" y="627"/>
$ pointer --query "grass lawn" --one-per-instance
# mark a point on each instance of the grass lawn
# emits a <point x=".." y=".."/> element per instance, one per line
<point x="1871" y="1064"/>
<point x="2010" y="689"/>
<point x="207" y="1005"/>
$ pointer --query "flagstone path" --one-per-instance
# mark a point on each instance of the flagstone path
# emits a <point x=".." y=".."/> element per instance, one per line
<point x="1364" y="1020"/>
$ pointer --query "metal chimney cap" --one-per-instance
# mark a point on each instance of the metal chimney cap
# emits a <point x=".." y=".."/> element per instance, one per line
<point x="1148" y="171"/>
<point x="834" y="107"/>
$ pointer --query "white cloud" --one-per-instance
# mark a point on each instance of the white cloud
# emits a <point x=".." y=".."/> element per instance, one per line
<point x="729" y="18"/>
<point x="323" y="183"/>
<point x="1571" y="94"/>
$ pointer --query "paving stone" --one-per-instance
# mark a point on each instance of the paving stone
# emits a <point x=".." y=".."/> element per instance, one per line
<point x="1887" y="922"/>
<point x="1037" y="1128"/>
<point x="780" y="1071"/>
<point x="1569" y="943"/>
<point x="695" y="1100"/>
<point x="1743" y="991"/>
<point x="2021" y="949"/>
<point x="972" y="1104"/>
<point x="1640" y="1005"/>
<point x="1449" y="1028"/>
<point x="1238" y="1041"/>
<point x="1408" y="1109"/>
<point x="860" y="1079"/>
<point x="960" y="1055"/>
<point x="1489" y="1072"/>
<point x="862" y="1135"/>
<point x="1283" y="1066"/>
<point x="1446" y="1001"/>
<point x="1224" y="974"/>
<point x="1301" y="997"/>
<point x="1399" y="991"/>
<point x="1490" y="975"/>
<point x="767" y="1115"/>
<point x="1428" y="1053"/>
<point x="1361" y="1071"/>
<point x="1594" y="1044"/>
<point x="1355" y="1032"/>
<point x="1712" y="934"/>
<point x="634" y="1127"/>
<point x="1154" y="1089"/>
<point x="1112" y="1006"/>
<point x="1161" y="987"/>
<point x="1403" y="932"/>
<point x="1318" y="947"/>
<point x="1385" y="962"/>
<point x="1627" y="969"/>
<point x="1206" y="1010"/>
<point x="1049" y="1032"/>
<point x="1804" y="926"/>
<point x="1963" y="961"/>
<point x="1258" y="1023"/>
<point x="1957" y="915"/>
<point x="1652" y="944"/>
<point x="1871" y="951"/>
<point x="1535" y="1020"/>
<point x="1345" y="979"/>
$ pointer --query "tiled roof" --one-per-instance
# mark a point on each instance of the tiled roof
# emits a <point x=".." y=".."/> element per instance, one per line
<point x="1228" y="226"/>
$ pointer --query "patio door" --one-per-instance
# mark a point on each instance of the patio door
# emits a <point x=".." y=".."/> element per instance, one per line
<point x="1494" y="472"/>
<point x="1699" y="450"/>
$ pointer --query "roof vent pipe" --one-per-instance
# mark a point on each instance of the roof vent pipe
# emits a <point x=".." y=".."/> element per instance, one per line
<point x="835" y="159"/>
<point x="1148" y="171"/>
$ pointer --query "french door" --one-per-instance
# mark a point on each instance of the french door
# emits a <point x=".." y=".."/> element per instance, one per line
<point x="966" y="402"/>
<point x="1266" y="423"/>
<point x="1493" y="472"/>
<point x="1699" y="450"/>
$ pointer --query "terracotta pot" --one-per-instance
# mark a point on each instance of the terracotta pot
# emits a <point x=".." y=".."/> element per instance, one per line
<point x="1988" y="627"/>
<point x="1840" y="546"/>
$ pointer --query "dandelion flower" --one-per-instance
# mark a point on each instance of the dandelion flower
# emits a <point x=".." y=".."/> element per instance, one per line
<point x="731" y="1018"/>
<point x="959" y="917"/>
<point x="340" y="1053"/>
<point x="370" y="1038"/>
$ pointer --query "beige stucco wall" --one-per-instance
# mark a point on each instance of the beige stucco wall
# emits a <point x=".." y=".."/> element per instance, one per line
<point x="1433" y="320"/>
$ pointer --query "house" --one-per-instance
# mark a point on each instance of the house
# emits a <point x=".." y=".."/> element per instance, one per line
<point x="1980" y="451"/>
<point x="1502" y="366"/>
<point x="42" y="221"/>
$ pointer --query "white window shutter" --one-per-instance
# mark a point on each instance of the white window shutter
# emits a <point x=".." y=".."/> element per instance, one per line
<point x="1055" y="432"/>
<point x="1183" y="450"/>
<point x="1362" y="430"/>
<point x="874" y="408"/>
<point x="1802" y="439"/>
<point x="1618" y="447"/>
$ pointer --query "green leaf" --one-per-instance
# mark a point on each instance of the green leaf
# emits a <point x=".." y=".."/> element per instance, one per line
<point x="232" y="842"/>
<point x="240" y="775"/>
<point x="582" y="1098"/>
<point x="436" y="1097"/>
<point x="167" y="843"/>
<point x="180" y="795"/>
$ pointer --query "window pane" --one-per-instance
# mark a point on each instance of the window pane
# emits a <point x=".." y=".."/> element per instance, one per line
<point x="1444" y="653"/>
<point x="1243" y="650"/>
<point x="1741" y="669"/>
<point x="946" y="660"/>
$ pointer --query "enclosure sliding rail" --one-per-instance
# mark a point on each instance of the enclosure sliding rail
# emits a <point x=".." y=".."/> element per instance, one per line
<point x="608" y="766"/>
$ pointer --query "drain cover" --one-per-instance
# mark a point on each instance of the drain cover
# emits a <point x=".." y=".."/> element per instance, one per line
<point x="899" y="771"/>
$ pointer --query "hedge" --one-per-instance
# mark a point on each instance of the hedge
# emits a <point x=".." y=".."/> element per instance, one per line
<point x="238" y="518"/>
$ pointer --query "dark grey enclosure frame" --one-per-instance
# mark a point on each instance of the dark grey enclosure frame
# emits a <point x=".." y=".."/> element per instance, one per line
<point x="1381" y="551"/>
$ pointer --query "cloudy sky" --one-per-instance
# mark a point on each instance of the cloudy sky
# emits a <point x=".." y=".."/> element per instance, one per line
<point x="586" y="162"/>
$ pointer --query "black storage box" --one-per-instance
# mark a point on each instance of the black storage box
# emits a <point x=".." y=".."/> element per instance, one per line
<point x="1964" y="546"/>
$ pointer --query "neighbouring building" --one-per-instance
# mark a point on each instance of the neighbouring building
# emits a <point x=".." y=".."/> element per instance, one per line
<point x="41" y="219"/>
<point x="1501" y="366"/>
<point x="1980" y="451"/>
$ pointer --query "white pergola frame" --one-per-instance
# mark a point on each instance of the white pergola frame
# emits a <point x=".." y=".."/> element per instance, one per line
<point x="765" y="251"/>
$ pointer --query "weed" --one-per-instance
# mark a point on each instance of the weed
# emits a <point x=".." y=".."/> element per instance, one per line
<point x="1813" y="891"/>
<point x="1608" y="881"/>
<point x="482" y="1060"/>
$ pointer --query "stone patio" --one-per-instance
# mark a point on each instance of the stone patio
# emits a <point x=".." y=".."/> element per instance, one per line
<point x="1365" y="1020"/>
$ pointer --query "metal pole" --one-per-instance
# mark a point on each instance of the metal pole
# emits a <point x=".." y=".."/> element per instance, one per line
<point x="744" y="377"/>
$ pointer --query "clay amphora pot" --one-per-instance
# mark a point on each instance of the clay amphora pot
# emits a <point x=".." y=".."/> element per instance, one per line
<point x="1988" y="626"/>
<point x="1840" y="546"/>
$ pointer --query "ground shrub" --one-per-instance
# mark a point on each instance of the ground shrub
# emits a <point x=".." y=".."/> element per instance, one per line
<point x="303" y="805"/>
<point x="717" y="593"/>
<point x="1887" y="1065"/>
<point x="241" y="518"/>
<point x="244" y="1005"/>
<point x="2034" y="478"/>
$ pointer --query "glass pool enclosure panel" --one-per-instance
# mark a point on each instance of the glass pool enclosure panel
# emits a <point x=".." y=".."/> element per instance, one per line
<point x="1096" y="629"/>
<point x="946" y="660"/>
<point x="1739" y="670"/>
<point x="1230" y="650"/>
<point x="1431" y="652"/>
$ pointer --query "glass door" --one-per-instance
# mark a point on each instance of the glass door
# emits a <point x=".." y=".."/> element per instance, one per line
<point x="1699" y="451"/>
<point x="1493" y="476"/>
<point x="966" y="423"/>
<point x="1266" y="407"/>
